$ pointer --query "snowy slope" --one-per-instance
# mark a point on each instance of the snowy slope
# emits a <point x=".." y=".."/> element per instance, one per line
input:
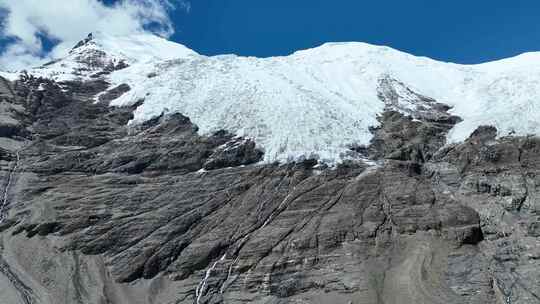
<point x="9" y="76"/>
<point x="317" y="101"/>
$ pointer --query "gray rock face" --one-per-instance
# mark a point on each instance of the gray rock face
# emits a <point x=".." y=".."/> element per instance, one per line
<point x="99" y="212"/>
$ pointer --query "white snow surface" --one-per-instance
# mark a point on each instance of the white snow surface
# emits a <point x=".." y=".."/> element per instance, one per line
<point x="313" y="102"/>
<point x="9" y="75"/>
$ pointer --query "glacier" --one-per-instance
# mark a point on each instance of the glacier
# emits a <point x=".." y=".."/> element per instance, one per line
<point x="313" y="103"/>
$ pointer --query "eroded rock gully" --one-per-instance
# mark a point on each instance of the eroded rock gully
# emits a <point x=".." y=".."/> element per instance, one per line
<point x="98" y="212"/>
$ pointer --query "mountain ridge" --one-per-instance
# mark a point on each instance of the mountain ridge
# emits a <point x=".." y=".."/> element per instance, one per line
<point x="338" y="87"/>
<point x="328" y="94"/>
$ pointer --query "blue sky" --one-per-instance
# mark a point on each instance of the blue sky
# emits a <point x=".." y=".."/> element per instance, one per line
<point x="458" y="31"/>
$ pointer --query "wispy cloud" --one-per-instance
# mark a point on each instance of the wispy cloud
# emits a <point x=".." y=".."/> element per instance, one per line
<point x="68" y="21"/>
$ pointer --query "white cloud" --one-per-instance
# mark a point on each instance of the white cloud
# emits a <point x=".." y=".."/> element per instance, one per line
<point x="16" y="57"/>
<point x="69" y="21"/>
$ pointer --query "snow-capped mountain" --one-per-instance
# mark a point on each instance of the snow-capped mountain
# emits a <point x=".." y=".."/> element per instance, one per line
<point x="186" y="207"/>
<point x="316" y="102"/>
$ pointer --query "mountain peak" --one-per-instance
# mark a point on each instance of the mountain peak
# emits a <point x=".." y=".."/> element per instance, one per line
<point x="100" y="53"/>
<point x="83" y="42"/>
<point x="139" y="47"/>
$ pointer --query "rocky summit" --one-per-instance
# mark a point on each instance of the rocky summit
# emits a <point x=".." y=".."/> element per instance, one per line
<point x="100" y="204"/>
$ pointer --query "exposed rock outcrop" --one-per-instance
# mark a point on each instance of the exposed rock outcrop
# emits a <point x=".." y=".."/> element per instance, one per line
<point x="103" y="212"/>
